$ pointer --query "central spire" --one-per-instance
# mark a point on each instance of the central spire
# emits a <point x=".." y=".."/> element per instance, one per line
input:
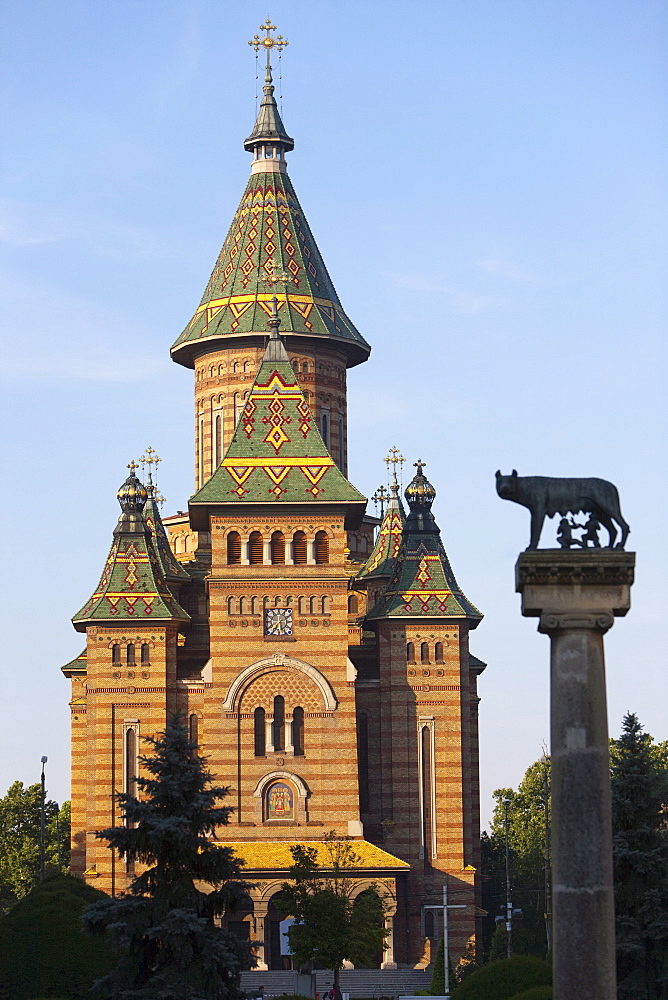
<point x="268" y="141"/>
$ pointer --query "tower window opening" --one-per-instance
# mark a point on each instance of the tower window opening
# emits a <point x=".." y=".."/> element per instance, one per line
<point x="299" y="548"/>
<point x="353" y="604"/>
<point x="410" y="652"/>
<point x="193" y="731"/>
<point x="363" y="759"/>
<point x="304" y="366"/>
<point x="325" y="604"/>
<point x="116" y="654"/>
<point x="424" y="652"/>
<point x="429" y="924"/>
<point x="255" y="605"/>
<point x="321" y="547"/>
<point x="303" y="605"/>
<point x="278" y="725"/>
<point x="260" y="732"/>
<point x="145" y="654"/>
<point x="244" y="607"/>
<point x="438" y="652"/>
<point x="278" y="548"/>
<point x="255" y="548"/>
<point x="218" y="441"/>
<point x="298" y="731"/>
<point x="427" y="777"/>
<point x="233" y="548"/>
<point x="130" y="655"/>
<point x="313" y="605"/>
<point x="325" y="429"/>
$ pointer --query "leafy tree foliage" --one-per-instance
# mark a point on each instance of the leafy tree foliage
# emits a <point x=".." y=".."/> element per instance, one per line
<point x="164" y="928"/>
<point x="45" y="951"/>
<point x="505" y="978"/>
<point x="20" y="840"/>
<point x="527" y="816"/>
<point x="330" y="926"/>
<point x="640" y="851"/>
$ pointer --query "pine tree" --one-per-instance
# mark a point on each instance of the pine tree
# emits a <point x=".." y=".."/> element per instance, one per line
<point x="164" y="928"/>
<point x="640" y="851"/>
<point x="437" y="987"/>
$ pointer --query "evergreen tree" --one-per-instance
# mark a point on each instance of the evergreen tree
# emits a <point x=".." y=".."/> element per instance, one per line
<point x="164" y="928"/>
<point x="330" y="926"/>
<point x="640" y="851"/>
<point x="437" y="987"/>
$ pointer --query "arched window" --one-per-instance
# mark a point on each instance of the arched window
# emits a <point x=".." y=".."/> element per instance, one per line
<point x="131" y="660"/>
<point x="277" y="548"/>
<point x="299" y="549"/>
<point x="298" y="732"/>
<point x="304" y="366"/>
<point x="218" y="445"/>
<point x="438" y="652"/>
<point x="116" y="655"/>
<point x="193" y="730"/>
<point x="353" y="604"/>
<point x="243" y="606"/>
<point x="278" y="725"/>
<point x="303" y="605"/>
<point x="278" y="601"/>
<point x="255" y="605"/>
<point x="238" y="406"/>
<point x="429" y="923"/>
<point x="313" y="606"/>
<point x="325" y="603"/>
<point x="231" y="605"/>
<point x="363" y="759"/>
<point x="427" y="765"/>
<point x="325" y="429"/>
<point x="321" y="547"/>
<point x="410" y="652"/>
<point x="233" y="548"/>
<point x="424" y="652"/>
<point x="246" y="366"/>
<point x="260" y="731"/>
<point x="235" y="367"/>
<point x="130" y="761"/>
<point x="145" y="654"/>
<point x="255" y="548"/>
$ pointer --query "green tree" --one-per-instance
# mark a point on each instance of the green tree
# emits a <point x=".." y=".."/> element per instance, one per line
<point x="164" y="928"/>
<point x="639" y="771"/>
<point x="20" y="840"/>
<point x="528" y="814"/>
<point x="437" y="987"/>
<point x="330" y="926"/>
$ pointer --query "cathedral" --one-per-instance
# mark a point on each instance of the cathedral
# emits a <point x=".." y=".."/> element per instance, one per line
<point x="319" y="655"/>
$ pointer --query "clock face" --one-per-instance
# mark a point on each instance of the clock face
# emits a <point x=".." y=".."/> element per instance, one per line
<point x="278" y="621"/>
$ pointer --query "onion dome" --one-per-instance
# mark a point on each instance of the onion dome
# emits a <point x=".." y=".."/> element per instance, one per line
<point x="420" y="494"/>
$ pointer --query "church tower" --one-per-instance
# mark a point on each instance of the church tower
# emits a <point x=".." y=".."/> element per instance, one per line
<point x="323" y="669"/>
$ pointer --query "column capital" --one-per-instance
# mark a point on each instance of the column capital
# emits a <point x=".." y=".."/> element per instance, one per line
<point x="551" y="624"/>
<point x="564" y="584"/>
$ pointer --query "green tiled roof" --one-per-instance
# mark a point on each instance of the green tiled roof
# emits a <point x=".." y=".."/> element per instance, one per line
<point x="277" y="454"/>
<point x="133" y="586"/>
<point x="78" y="664"/>
<point x="171" y="568"/>
<point x="269" y="230"/>
<point x="423" y="584"/>
<point x="385" y="551"/>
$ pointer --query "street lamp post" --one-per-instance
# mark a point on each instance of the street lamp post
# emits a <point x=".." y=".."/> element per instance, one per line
<point x="42" y="826"/>
<point x="509" y="903"/>
<point x="444" y="907"/>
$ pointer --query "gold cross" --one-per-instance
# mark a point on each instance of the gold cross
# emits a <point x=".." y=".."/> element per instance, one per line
<point x="276" y="277"/>
<point x="394" y="458"/>
<point x="151" y="459"/>
<point x="269" y="42"/>
<point x="380" y="497"/>
<point x="132" y="466"/>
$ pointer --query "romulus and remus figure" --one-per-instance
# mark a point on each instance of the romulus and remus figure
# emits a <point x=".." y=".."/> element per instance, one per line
<point x="546" y="496"/>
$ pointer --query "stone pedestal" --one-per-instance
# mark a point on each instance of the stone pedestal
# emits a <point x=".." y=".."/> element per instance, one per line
<point x="576" y="595"/>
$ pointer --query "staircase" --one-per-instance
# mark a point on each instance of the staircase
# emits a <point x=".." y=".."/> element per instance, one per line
<point x="358" y="983"/>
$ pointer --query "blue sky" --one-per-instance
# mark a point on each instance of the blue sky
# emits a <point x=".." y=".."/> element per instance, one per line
<point x="486" y="180"/>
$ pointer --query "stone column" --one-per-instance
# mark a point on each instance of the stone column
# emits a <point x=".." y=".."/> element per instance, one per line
<point x="577" y="596"/>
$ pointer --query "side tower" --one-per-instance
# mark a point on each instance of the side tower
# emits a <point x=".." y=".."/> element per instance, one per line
<point x="419" y="782"/>
<point x="269" y="248"/>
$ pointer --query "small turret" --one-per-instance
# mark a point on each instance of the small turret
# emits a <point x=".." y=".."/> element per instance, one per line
<point x="423" y="583"/>
<point x="133" y="585"/>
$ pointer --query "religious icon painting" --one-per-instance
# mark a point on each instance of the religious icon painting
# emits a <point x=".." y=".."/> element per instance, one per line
<point x="280" y="801"/>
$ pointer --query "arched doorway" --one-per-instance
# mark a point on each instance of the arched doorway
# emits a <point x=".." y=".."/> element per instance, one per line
<point x="276" y="946"/>
<point x="239" y="921"/>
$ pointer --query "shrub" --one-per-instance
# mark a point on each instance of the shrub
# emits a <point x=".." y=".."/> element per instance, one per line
<point x="503" y="979"/>
<point x="45" y="951"/>
<point x="536" y="993"/>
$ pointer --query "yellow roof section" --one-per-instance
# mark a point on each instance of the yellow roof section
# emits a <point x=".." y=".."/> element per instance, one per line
<point x="274" y="855"/>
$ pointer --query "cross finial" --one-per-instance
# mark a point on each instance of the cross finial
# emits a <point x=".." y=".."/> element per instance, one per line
<point x="269" y="41"/>
<point x="150" y="458"/>
<point x="132" y="466"/>
<point x="419" y="465"/>
<point x="381" y="496"/>
<point x="394" y="458"/>
<point x="275" y="277"/>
